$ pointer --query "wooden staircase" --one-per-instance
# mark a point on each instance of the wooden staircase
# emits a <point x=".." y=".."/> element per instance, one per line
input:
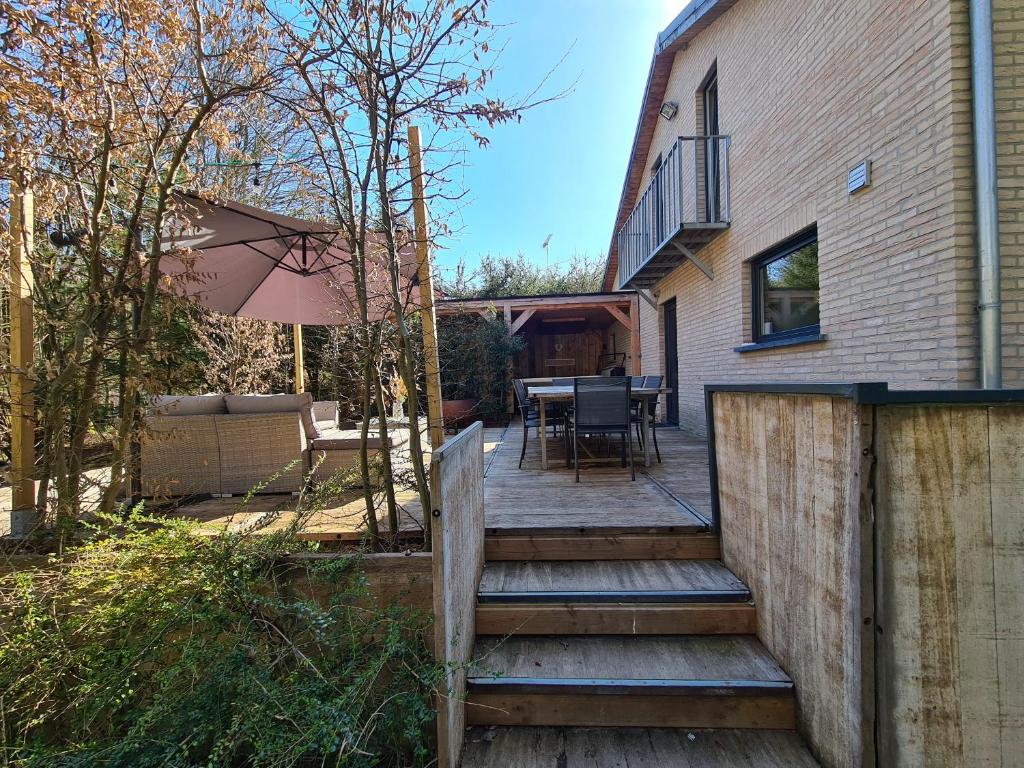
<point x="599" y="648"/>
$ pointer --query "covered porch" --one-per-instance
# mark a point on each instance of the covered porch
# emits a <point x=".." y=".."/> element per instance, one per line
<point x="578" y="334"/>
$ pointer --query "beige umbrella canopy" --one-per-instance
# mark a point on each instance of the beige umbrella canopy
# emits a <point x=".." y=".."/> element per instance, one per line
<point x="241" y="260"/>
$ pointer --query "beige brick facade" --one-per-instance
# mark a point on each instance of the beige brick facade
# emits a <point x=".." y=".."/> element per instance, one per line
<point x="808" y="89"/>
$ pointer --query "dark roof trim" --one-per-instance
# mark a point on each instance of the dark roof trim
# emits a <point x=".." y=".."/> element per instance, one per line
<point x="499" y="299"/>
<point x="878" y="393"/>
<point x="686" y="26"/>
<point x="684" y="22"/>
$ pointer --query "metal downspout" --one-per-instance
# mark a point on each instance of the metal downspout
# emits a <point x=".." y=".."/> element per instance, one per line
<point x="986" y="200"/>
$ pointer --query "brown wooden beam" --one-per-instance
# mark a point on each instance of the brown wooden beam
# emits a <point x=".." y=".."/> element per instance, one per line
<point x="20" y="286"/>
<point x="583" y="301"/>
<point x="431" y="363"/>
<point x="521" y="320"/>
<point x="300" y="378"/>
<point x="634" y="335"/>
<point x="619" y="315"/>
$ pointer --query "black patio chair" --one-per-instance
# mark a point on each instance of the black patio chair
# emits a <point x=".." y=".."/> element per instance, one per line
<point x="601" y="407"/>
<point x="529" y="410"/>
<point x="636" y="412"/>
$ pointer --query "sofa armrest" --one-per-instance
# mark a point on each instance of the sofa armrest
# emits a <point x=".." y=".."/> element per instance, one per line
<point x="180" y="456"/>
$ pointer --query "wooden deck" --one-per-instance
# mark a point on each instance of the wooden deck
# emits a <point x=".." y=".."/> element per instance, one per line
<point x="647" y="747"/>
<point x="673" y="496"/>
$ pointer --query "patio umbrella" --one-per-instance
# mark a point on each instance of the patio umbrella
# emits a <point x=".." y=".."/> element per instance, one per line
<point x="245" y="261"/>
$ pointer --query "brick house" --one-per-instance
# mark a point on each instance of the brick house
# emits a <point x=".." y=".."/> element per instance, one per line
<point x="828" y="232"/>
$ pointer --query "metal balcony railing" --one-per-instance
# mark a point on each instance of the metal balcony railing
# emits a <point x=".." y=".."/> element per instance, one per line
<point x="688" y="197"/>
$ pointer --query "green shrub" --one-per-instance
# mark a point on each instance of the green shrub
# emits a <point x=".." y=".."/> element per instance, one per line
<point x="153" y="646"/>
<point x="476" y="355"/>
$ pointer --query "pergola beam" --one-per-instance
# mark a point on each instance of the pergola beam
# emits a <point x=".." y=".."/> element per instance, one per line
<point x="521" y="321"/>
<point x="544" y="303"/>
<point x="634" y="335"/>
<point x="619" y="315"/>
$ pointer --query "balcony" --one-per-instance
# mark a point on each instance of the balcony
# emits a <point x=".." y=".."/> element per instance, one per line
<point x="685" y="207"/>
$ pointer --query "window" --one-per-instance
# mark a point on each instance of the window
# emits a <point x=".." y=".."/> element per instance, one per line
<point x="785" y="283"/>
<point x="712" y="172"/>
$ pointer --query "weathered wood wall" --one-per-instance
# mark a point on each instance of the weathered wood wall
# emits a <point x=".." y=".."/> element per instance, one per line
<point x="406" y="579"/>
<point x="583" y="348"/>
<point x="457" y="527"/>
<point x="949" y="501"/>
<point x="882" y="536"/>
<point x="789" y="476"/>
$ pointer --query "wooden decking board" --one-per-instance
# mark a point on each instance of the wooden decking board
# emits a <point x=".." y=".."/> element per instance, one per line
<point x="517" y="501"/>
<point x="628" y="596"/>
<point x="628" y="686"/>
<point x="633" y="710"/>
<point x="587" y="546"/>
<point x="608" y="576"/>
<point x="605" y="499"/>
<point x="632" y="658"/>
<point x="628" y="619"/>
<point x="526" y="747"/>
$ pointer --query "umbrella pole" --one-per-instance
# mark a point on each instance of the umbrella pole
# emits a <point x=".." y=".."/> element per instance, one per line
<point x="300" y="379"/>
<point x="426" y="280"/>
<point x="24" y="515"/>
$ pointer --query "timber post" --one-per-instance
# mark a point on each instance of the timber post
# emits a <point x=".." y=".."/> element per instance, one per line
<point x="432" y="364"/>
<point x="300" y="376"/>
<point x="24" y="515"/>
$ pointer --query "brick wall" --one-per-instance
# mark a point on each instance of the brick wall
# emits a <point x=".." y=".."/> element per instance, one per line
<point x="1008" y="29"/>
<point x="808" y="89"/>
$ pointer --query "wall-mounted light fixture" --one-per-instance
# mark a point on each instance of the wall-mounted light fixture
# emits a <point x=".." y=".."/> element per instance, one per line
<point x="668" y="110"/>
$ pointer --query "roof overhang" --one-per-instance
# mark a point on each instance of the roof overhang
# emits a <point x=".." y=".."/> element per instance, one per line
<point x="550" y="302"/>
<point x="693" y="19"/>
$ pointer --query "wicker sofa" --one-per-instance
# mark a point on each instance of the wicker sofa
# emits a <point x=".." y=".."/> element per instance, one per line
<point x="231" y="444"/>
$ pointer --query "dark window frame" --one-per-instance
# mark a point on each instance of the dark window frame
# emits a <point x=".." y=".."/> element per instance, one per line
<point x="781" y="251"/>
<point x="712" y="182"/>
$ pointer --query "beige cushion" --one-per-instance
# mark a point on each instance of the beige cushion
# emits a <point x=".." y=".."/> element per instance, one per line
<point x="187" y="405"/>
<point x="344" y="440"/>
<point x="302" y="403"/>
<point x="325" y="412"/>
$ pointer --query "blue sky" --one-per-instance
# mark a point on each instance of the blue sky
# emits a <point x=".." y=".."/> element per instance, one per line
<point x="560" y="170"/>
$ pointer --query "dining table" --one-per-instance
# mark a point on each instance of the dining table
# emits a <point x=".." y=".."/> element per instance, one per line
<point x="546" y="393"/>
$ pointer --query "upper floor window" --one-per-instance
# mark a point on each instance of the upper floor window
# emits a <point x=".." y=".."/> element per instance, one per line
<point x="785" y="290"/>
<point x="711" y="150"/>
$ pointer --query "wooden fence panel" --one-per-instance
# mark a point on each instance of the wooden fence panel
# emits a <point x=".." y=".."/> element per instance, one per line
<point x="950" y="517"/>
<point x="457" y="527"/>
<point x="790" y="471"/>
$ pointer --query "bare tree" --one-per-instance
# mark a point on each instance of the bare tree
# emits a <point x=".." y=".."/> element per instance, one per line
<point x="364" y="71"/>
<point x="111" y="100"/>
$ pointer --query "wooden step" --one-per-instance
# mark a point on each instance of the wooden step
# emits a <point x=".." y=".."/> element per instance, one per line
<point x="645" y="681"/>
<point x="531" y="747"/>
<point x="632" y="597"/>
<point x="596" y="544"/>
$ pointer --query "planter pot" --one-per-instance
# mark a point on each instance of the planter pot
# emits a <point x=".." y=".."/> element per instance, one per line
<point x="457" y="413"/>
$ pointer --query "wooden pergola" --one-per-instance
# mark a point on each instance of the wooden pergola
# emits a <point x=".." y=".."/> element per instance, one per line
<point x="591" y="317"/>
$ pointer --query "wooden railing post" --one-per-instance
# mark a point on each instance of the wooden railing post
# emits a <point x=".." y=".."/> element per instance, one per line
<point x="24" y="516"/>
